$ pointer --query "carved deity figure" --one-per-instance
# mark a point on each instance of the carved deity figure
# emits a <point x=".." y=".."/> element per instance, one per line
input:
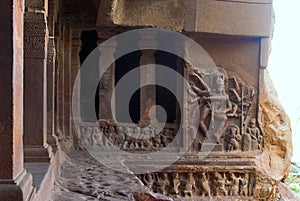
<point x="256" y="136"/>
<point x="161" y="183"/>
<point x="218" y="105"/>
<point x="205" y="185"/>
<point x="190" y="185"/>
<point x="233" y="183"/>
<point x="244" y="180"/>
<point x="176" y="183"/>
<point x="233" y="138"/>
<point x="219" y="184"/>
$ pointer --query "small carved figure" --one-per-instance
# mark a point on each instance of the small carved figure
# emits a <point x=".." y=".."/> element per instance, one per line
<point x="98" y="137"/>
<point x="233" y="183"/>
<point x="244" y="184"/>
<point x="219" y="185"/>
<point x="233" y="138"/>
<point x="157" y="141"/>
<point x="176" y="183"/>
<point x="257" y="138"/>
<point x="120" y="138"/>
<point x="205" y="185"/>
<point x="161" y="183"/>
<point x="148" y="180"/>
<point x="190" y="185"/>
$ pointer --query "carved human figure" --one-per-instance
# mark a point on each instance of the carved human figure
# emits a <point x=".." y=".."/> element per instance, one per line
<point x="98" y="137"/>
<point x="205" y="185"/>
<point x="244" y="180"/>
<point x="161" y="183"/>
<point x="256" y="136"/>
<point x="148" y="180"/>
<point x="164" y="139"/>
<point x="233" y="138"/>
<point x="176" y="183"/>
<point x="120" y="138"/>
<point x="190" y="185"/>
<point x="233" y="183"/>
<point x="218" y="105"/>
<point x="157" y="141"/>
<point x="109" y="133"/>
<point x="219" y="184"/>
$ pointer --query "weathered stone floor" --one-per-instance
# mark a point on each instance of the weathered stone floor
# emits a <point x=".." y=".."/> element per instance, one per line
<point x="84" y="178"/>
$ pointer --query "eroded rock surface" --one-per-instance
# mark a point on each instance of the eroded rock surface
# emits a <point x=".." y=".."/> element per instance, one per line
<point x="84" y="178"/>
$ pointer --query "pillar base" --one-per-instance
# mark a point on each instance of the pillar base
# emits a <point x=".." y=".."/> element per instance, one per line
<point x="38" y="154"/>
<point x="19" y="189"/>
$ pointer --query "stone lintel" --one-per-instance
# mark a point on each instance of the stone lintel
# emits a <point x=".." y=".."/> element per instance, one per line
<point x="234" y="18"/>
<point x="253" y="18"/>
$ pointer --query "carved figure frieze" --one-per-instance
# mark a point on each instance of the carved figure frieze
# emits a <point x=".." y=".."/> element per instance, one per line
<point x="201" y="184"/>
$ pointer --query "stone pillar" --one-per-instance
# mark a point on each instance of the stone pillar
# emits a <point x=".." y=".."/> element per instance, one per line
<point x="51" y="54"/>
<point x="107" y="81"/>
<point x="35" y="83"/>
<point x="15" y="182"/>
<point x="75" y="67"/>
<point x="67" y="79"/>
<point x="148" y="93"/>
<point x="60" y="81"/>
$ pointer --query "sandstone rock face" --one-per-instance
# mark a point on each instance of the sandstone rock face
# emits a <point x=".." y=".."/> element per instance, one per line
<point x="276" y="157"/>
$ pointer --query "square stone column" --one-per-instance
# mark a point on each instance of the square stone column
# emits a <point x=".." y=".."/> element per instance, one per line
<point x="75" y="67"/>
<point x="51" y="55"/>
<point x="67" y="80"/>
<point x="15" y="182"/>
<point x="148" y="93"/>
<point x="35" y="83"/>
<point x="59" y="36"/>
<point x="107" y="81"/>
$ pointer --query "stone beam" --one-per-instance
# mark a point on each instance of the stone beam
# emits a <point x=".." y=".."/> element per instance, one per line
<point x="226" y="17"/>
<point x="15" y="182"/>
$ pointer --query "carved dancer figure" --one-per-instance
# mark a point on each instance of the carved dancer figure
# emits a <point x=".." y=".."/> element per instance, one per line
<point x="176" y="183"/>
<point x="233" y="138"/>
<point x="219" y="106"/>
<point x="161" y="183"/>
<point x="244" y="184"/>
<point x="190" y="185"/>
<point x="219" y="185"/>
<point x="205" y="185"/>
<point x="233" y="183"/>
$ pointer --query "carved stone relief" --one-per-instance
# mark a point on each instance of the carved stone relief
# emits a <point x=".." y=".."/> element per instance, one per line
<point x="227" y="108"/>
<point x="201" y="184"/>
